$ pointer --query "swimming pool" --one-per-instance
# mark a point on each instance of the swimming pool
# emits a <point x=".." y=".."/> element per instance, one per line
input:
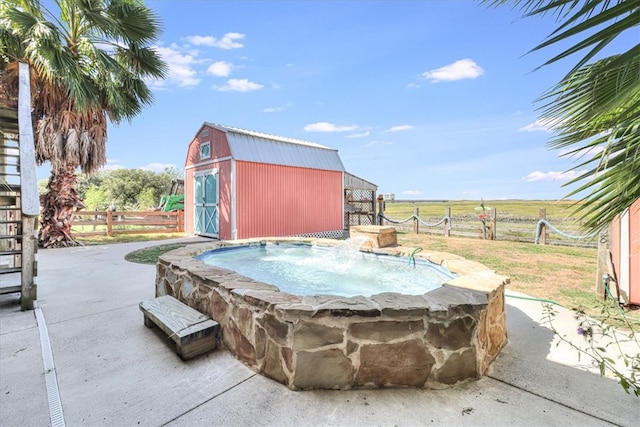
<point x="339" y="270"/>
<point x="434" y="339"/>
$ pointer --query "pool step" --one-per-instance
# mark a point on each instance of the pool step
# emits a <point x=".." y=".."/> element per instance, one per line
<point x="193" y="332"/>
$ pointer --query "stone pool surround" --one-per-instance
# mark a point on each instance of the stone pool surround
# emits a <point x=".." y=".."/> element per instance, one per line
<point x="435" y="340"/>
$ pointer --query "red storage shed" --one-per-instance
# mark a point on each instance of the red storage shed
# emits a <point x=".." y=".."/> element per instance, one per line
<point x="241" y="184"/>
<point x="624" y="244"/>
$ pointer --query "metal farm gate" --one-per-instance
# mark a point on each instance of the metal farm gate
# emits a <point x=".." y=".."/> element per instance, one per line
<point x="359" y="201"/>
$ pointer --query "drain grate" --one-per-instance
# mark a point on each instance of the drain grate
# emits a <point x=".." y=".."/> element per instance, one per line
<point x="53" y="392"/>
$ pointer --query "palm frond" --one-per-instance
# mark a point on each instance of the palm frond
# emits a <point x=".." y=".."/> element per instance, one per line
<point x="596" y="106"/>
<point x="89" y="62"/>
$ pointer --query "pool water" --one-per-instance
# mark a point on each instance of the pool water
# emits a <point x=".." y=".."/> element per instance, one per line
<point x="341" y="270"/>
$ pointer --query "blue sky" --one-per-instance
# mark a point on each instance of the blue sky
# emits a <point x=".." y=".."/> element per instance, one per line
<point x="427" y="99"/>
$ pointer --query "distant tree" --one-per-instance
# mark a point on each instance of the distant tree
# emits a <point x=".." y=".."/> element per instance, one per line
<point x="96" y="198"/>
<point x="147" y="199"/>
<point x="595" y="108"/>
<point x="42" y="186"/>
<point x="131" y="189"/>
<point x="88" y="64"/>
<point x="87" y="181"/>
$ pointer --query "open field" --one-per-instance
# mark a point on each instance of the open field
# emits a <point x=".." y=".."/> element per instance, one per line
<point x="515" y="219"/>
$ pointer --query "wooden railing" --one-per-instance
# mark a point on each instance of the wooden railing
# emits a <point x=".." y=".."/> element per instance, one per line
<point x="110" y="223"/>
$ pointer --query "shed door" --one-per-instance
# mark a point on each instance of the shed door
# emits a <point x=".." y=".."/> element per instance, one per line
<point x="206" y="204"/>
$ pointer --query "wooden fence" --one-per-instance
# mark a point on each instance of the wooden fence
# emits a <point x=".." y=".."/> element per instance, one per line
<point x="110" y="223"/>
<point x="489" y="225"/>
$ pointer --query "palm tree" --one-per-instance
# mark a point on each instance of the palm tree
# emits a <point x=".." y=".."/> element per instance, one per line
<point x="88" y="63"/>
<point x="595" y="108"/>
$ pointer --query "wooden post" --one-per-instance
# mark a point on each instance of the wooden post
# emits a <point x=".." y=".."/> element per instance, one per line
<point x="380" y="208"/>
<point x="544" y="232"/>
<point x="29" y="201"/>
<point x="180" y="221"/>
<point x="603" y="260"/>
<point x="447" y="223"/>
<point x="109" y="223"/>
<point x="28" y="288"/>
<point x="492" y="224"/>
<point x="416" y="226"/>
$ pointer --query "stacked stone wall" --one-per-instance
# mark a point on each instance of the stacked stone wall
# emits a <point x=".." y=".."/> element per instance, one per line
<point x="444" y="337"/>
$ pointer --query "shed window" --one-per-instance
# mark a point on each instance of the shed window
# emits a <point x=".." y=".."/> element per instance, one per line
<point x="205" y="150"/>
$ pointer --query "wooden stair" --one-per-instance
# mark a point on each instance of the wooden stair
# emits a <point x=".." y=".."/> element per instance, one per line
<point x="11" y="227"/>
<point x="19" y="205"/>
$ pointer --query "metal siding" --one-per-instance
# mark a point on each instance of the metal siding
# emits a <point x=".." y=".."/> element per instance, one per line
<point x="224" y="205"/>
<point x="263" y="135"/>
<point x="219" y="146"/>
<point x="262" y="150"/>
<point x="188" y="201"/>
<point x="352" y="181"/>
<point x="193" y="156"/>
<point x="634" y="253"/>
<point x="276" y="200"/>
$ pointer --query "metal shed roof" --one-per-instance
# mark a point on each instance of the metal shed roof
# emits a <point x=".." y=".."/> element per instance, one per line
<point x="352" y="181"/>
<point x="260" y="147"/>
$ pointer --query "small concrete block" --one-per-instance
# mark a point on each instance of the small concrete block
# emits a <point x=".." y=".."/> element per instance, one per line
<point x="379" y="236"/>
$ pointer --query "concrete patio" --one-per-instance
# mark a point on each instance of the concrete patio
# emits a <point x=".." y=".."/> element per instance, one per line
<point x="112" y="370"/>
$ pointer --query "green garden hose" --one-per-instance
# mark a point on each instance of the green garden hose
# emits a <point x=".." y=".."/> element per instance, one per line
<point x="412" y="256"/>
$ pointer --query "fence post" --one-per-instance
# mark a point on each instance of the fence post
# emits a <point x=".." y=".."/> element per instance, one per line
<point x="180" y="221"/>
<point x="603" y="258"/>
<point x="492" y="224"/>
<point x="380" y="208"/>
<point x="416" y="227"/>
<point x="544" y="232"/>
<point x="109" y="223"/>
<point x="447" y="223"/>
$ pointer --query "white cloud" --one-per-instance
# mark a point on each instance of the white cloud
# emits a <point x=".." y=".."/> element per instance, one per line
<point x="377" y="143"/>
<point x="220" y="69"/>
<point x="459" y="70"/>
<point x="399" y="128"/>
<point x="412" y="192"/>
<point x="359" y="135"/>
<point x="551" y="176"/>
<point x="413" y="86"/>
<point x="277" y="109"/>
<point x="228" y="41"/>
<point x="537" y="126"/>
<point x="181" y="68"/>
<point x="328" y="127"/>
<point x="111" y="166"/>
<point x="158" y="167"/>
<point x="239" y="85"/>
